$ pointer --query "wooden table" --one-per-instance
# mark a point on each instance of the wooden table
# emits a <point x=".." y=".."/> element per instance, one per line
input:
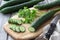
<point x="4" y="19"/>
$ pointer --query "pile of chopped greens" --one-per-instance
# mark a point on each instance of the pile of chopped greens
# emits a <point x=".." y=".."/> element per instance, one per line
<point x="28" y="14"/>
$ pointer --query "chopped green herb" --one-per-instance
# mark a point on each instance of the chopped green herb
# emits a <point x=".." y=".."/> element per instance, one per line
<point x="28" y="14"/>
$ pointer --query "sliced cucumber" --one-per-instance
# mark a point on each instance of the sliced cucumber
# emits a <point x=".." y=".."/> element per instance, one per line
<point x="17" y="29"/>
<point x="22" y="29"/>
<point x="15" y="21"/>
<point x="12" y="27"/>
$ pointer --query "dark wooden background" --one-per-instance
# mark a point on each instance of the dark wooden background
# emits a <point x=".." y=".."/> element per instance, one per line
<point x="4" y="19"/>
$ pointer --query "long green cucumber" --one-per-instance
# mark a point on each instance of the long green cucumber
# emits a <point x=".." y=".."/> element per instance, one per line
<point x="49" y="5"/>
<point x="6" y="0"/>
<point x="42" y="19"/>
<point x="19" y="6"/>
<point x="11" y="3"/>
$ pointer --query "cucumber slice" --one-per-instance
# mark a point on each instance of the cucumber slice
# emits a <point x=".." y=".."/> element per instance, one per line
<point x="31" y="29"/>
<point x="22" y="29"/>
<point x="12" y="27"/>
<point x="17" y="29"/>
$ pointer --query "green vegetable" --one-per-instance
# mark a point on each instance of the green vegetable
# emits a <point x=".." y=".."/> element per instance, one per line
<point x="22" y="29"/>
<point x="42" y="19"/>
<point x="15" y="21"/>
<point x="49" y="5"/>
<point x="13" y="2"/>
<point x="19" y="6"/>
<point x="17" y="29"/>
<point x="12" y="27"/>
<point x="6" y="0"/>
<point x="28" y="14"/>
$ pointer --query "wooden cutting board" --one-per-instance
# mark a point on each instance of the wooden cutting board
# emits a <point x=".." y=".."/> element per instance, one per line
<point x="26" y="35"/>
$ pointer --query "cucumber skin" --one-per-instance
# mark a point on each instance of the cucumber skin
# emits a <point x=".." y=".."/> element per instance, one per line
<point x="19" y="6"/>
<point x="11" y="3"/>
<point x="44" y="18"/>
<point x="6" y="0"/>
<point x="48" y="6"/>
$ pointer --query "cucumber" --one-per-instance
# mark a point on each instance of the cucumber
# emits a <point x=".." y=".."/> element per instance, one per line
<point x="17" y="29"/>
<point x="11" y="3"/>
<point x="48" y="6"/>
<point x="12" y="27"/>
<point x="42" y="19"/>
<point x="22" y="29"/>
<point x="19" y="6"/>
<point x="6" y="0"/>
<point x="15" y="21"/>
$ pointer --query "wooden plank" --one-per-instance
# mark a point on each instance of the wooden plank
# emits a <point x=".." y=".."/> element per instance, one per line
<point x="3" y="20"/>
